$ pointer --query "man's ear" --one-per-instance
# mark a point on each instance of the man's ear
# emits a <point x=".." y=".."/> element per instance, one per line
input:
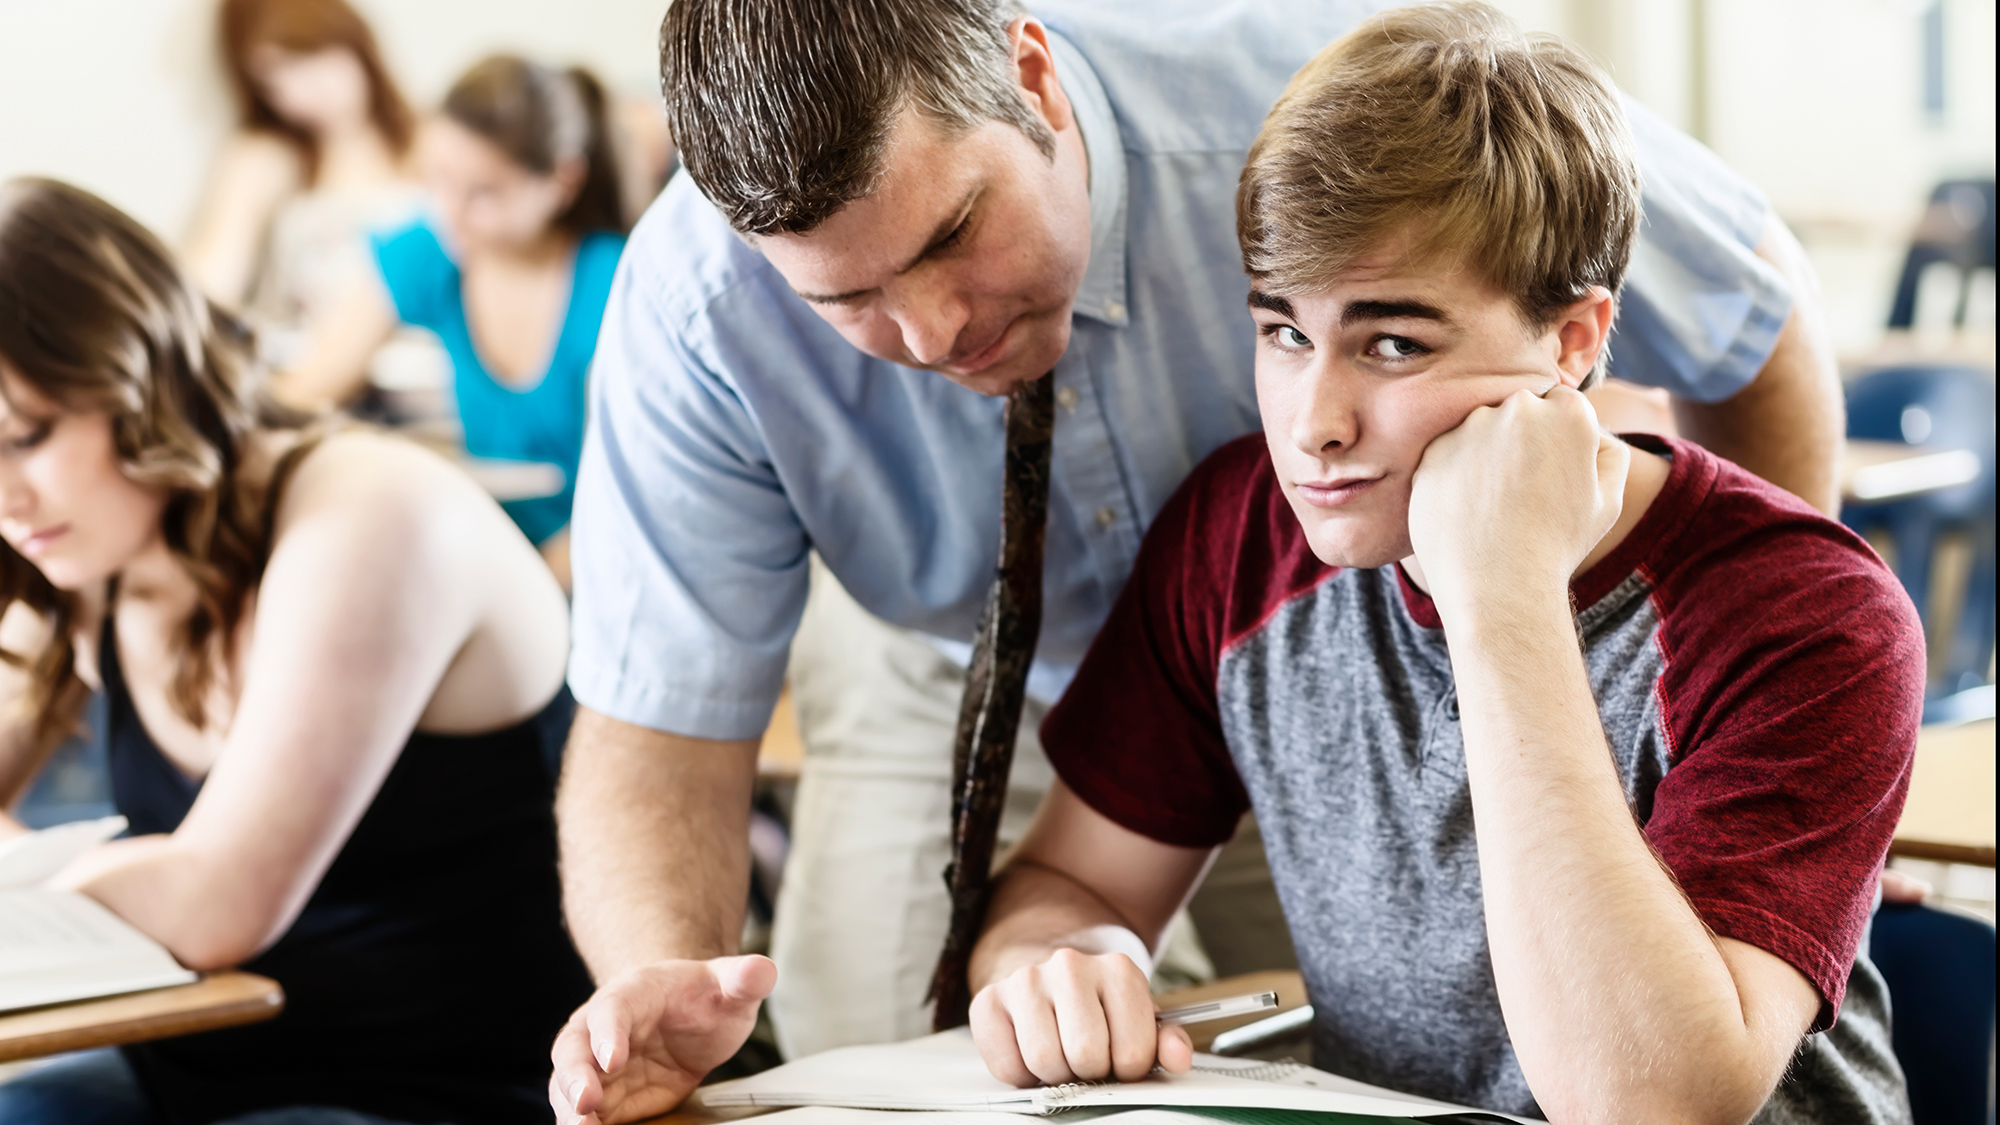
<point x="1035" y="70"/>
<point x="1581" y="331"/>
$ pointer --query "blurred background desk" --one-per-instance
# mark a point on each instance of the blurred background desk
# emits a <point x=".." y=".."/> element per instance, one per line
<point x="1950" y="813"/>
<point x="217" y="1000"/>
<point x="513" y="480"/>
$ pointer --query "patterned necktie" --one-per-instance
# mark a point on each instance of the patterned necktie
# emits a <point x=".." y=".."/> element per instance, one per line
<point x="995" y="686"/>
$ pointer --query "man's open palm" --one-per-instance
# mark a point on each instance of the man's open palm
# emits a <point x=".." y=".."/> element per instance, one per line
<point x="643" y="1041"/>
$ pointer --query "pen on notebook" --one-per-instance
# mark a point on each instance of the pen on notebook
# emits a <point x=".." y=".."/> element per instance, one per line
<point x="1219" y="1009"/>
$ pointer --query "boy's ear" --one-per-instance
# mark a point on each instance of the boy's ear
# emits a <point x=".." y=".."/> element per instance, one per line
<point x="1581" y="330"/>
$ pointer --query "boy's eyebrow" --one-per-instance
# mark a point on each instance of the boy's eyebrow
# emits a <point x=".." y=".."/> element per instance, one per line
<point x="944" y="230"/>
<point x="1391" y="310"/>
<point x="1262" y="300"/>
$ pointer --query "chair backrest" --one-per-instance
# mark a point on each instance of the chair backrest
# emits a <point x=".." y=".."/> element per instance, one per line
<point x="1939" y="968"/>
<point x="1957" y="228"/>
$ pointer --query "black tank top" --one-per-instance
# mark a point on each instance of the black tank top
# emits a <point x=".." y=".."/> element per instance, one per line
<point x="429" y="972"/>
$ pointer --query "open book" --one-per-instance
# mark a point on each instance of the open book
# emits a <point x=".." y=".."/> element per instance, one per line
<point x="944" y="1072"/>
<point x="57" y="946"/>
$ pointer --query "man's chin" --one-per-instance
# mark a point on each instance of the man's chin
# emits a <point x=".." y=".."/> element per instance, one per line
<point x="1003" y="378"/>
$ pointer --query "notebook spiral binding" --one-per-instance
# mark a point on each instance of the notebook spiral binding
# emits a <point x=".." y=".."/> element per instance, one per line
<point x="1056" y="1096"/>
<point x="1276" y="1071"/>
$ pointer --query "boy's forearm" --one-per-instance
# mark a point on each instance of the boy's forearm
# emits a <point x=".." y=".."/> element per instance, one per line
<point x="1619" y="1004"/>
<point x="1035" y="911"/>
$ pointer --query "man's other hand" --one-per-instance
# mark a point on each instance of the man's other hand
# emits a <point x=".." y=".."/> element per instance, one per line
<point x="1075" y="1017"/>
<point x="643" y="1041"/>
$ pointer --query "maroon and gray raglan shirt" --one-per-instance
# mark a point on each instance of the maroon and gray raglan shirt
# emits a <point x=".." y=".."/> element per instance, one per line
<point x="1760" y="677"/>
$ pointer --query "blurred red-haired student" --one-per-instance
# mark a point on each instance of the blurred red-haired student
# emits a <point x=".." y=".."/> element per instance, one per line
<point x="320" y="157"/>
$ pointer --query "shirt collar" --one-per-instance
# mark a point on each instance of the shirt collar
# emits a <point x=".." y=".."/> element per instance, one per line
<point x="1102" y="294"/>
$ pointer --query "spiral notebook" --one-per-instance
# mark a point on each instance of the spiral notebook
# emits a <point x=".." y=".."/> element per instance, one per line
<point x="943" y="1072"/>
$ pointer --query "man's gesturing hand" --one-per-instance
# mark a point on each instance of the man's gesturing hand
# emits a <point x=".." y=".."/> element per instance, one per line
<point x="1516" y="497"/>
<point x="644" y="1039"/>
<point x="1074" y="1017"/>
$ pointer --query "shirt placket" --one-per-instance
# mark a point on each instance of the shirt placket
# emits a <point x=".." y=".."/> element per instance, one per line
<point x="1101" y="502"/>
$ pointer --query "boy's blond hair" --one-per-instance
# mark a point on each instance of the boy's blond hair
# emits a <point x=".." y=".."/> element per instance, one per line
<point x="1446" y="124"/>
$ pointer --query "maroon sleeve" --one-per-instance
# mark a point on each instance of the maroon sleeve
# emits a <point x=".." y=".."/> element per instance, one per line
<point x="1137" y="735"/>
<point x="1792" y="696"/>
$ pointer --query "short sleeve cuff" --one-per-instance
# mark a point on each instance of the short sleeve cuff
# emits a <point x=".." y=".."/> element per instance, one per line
<point x="1788" y="943"/>
<point x="659" y="707"/>
<point x="1701" y="312"/>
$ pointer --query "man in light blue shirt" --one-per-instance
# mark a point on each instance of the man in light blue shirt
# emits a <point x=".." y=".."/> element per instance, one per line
<point x="773" y="390"/>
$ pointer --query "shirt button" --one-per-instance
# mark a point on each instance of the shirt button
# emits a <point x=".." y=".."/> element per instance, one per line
<point x="1115" y="310"/>
<point x="1066" y="397"/>
<point x="1106" y="517"/>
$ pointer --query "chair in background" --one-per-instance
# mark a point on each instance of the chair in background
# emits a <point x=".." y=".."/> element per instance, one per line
<point x="1939" y="967"/>
<point x="1943" y="407"/>
<point x="1957" y="227"/>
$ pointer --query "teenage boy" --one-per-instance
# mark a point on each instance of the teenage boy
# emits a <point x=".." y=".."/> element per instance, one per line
<point x="1624" y="880"/>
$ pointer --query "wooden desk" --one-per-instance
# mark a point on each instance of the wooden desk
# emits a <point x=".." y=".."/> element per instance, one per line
<point x="1875" y="471"/>
<point x="1949" y="815"/>
<point x="782" y="753"/>
<point x="513" y="480"/>
<point x="216" y="1001"/>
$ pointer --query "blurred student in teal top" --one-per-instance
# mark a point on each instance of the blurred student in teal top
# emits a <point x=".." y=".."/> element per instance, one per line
<point x="511" y="269"/>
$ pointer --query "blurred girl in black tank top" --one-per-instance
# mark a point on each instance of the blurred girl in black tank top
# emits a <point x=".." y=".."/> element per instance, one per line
<point x="334" y="670"/>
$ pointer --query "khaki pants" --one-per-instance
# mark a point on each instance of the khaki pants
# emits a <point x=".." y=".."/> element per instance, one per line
<point x="863" y="909"/>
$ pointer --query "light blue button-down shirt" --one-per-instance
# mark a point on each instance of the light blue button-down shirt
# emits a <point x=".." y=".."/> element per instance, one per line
<point x="732" y="430"/>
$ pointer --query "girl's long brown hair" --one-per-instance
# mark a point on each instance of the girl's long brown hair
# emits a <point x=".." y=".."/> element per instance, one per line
<point x="96" y="317"/>
<point x="306" y="26"/>
<point x="539" y="117"/>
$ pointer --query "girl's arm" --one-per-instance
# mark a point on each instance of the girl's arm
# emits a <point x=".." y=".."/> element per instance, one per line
<point x="335" y="365"/>
<point x="254" y="176"/>
<point x="25" y="634"/>
<point x="385" y="562"/>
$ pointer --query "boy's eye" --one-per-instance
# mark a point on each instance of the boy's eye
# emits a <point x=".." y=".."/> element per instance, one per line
<point x="1395" y="347"/>
<point x="1288" y="337"/>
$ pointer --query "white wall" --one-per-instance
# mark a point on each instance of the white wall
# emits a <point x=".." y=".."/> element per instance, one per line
<point x="125" y="97"/>
<point x="1817" y="101"/>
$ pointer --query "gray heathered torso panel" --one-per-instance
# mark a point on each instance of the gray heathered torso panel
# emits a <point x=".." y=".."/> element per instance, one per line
<point x="1356" y="767"/>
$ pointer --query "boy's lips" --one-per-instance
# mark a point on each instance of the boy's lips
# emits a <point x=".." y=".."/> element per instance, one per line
<point x="1336" y="492"/>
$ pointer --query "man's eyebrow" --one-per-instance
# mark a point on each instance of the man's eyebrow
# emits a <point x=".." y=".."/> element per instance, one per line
<point x="1391" y="310"/>
<point x="1262" y="300"/>
<point x="944" y="231"/>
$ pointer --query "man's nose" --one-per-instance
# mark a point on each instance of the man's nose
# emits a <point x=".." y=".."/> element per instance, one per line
<point x="931" y="317"/>
<point x="1329" y="418"/>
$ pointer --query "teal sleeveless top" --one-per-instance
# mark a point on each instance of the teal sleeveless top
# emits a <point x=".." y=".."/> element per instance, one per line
<point x="542" y="421"/>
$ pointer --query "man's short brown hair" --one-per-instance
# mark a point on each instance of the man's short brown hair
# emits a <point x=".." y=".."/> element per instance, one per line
<point x="783" y="109"/>
<point x="1445" y="123"/>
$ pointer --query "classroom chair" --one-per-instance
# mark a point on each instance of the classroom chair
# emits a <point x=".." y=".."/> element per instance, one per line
<point x="1939" y="967"/>
<point x="1944" y="407"/>
<point x="1957" y="227"/>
